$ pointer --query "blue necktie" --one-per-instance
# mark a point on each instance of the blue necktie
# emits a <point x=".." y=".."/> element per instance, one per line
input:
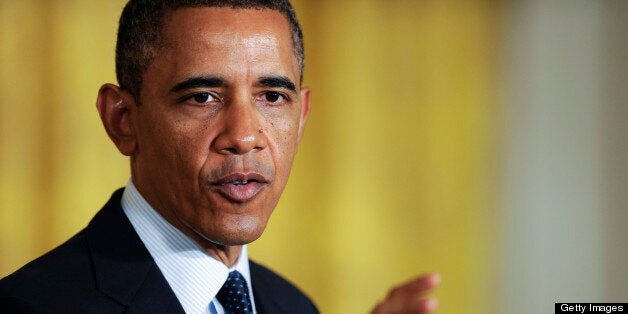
<point x="234" y="295"/>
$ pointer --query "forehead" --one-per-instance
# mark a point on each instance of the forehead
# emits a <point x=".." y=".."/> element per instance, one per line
<point x="225" y="19"/>
<point x="217" y="39"/>
<point x="222" y="26"/>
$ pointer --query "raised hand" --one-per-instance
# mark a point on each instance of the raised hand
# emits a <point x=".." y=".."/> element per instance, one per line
<point x="410" y="297"/>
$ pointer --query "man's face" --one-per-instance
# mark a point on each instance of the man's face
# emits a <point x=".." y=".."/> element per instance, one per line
<point x="220" y="117"/>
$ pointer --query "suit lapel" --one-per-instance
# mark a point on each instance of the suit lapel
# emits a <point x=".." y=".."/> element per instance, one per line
<point x="264" y="292"/>
<point x="274" y="294"/>
<point x="123" y="267"/>
<point x="264" y="302"/>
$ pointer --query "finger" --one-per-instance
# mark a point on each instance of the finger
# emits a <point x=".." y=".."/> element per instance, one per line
<point x="410" y="296"/>
<point x="424" y="306"/>
<point x="409" y="306"/>
<point x="419" y="285"/>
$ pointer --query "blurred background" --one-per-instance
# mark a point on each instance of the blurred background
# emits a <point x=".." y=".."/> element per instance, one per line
<point x="486" y="140"/>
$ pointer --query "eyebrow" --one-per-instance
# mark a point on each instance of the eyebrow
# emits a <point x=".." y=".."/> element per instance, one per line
<point x="277" y="81"/>
<point x="194" y="82"/>
<point x="212" y="81"/>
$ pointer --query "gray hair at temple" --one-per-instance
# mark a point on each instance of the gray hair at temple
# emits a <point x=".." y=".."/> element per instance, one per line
<point x="140" y="33"/>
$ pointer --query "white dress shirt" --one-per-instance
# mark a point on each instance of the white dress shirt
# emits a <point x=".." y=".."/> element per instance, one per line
<point x="194" y="276"/>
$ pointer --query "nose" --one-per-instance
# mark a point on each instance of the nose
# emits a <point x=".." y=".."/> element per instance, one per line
<point x="241" y="129"/>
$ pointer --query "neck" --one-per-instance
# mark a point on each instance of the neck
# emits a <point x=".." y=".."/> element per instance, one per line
<point x="227" y="254"/>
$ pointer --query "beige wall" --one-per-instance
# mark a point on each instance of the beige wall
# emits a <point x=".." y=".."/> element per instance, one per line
<point x="563" y="169"/>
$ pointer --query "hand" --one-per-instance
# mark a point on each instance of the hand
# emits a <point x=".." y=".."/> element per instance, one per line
<point x="410" y="297"/>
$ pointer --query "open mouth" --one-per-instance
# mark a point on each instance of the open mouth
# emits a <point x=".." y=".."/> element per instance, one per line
<point x="242" y="183"/>
<point x="240" y="187"/>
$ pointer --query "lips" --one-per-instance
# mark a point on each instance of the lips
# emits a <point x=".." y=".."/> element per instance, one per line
<point x="240" y="187"/>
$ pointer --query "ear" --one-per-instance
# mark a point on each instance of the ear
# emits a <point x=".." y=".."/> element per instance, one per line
<point x="115" y="107"/>
<point x="305" y="110"/>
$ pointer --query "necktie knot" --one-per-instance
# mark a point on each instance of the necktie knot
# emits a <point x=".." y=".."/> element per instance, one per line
<point x="234" y="295"/>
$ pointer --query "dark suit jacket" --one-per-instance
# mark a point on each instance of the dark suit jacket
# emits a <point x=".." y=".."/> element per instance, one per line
<point x="106" y="268"/>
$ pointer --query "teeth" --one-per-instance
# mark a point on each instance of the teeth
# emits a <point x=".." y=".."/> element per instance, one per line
<point x="240" y="183"/>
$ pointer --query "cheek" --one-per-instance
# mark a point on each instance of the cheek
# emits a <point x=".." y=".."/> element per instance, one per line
<point x="178" y="145"/>
<point x="191" y="153"/>
<point x="284" y="125"/>
<point x="283" y="136"/>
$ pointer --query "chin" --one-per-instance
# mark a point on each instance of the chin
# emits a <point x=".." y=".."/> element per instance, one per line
<point x="239" y="232"/>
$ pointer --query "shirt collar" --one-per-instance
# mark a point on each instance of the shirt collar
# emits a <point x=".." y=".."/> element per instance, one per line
<point x="194" y="276"/>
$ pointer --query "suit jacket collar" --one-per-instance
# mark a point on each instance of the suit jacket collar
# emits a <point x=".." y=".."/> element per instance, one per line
<point x="123" y="267"/>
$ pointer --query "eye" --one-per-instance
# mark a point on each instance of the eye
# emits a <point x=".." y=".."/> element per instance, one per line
<point x="273" y="97"/>
<point x="203" y="98"/>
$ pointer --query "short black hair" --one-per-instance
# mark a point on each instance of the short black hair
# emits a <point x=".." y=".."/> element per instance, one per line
<point x="140" y="33"/>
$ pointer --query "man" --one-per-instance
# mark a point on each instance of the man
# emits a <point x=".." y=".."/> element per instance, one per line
<point x="210" y="110"/>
